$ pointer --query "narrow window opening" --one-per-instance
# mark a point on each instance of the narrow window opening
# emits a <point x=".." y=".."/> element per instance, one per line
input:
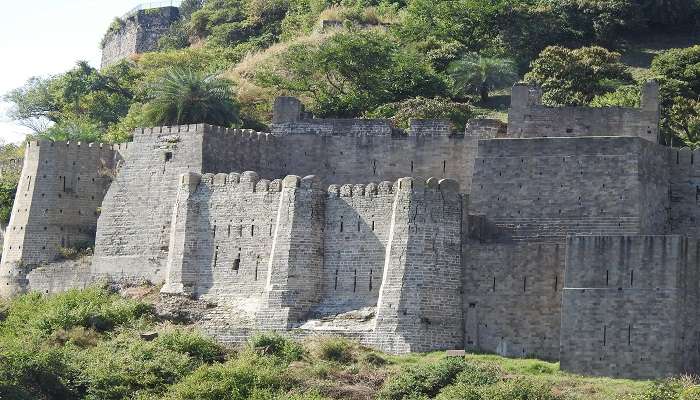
<point x="412" y="166"/>
<point x="168" y="156"/>
<point x="214" y="231"/>
<point x="607" y="277"/>
<point x="216" y="255"/>
<point x="358" y="225"/>
<point x="374" y="167"/>
<point x="605" y="334"/>
<point x="632" y="278"/>
<point x="524" y="283"/>
<point x="370" y="280"/>
<point x="556" y="283"/>
<point x="444" y="166"/>
<point x="629" y="335"/>
<point x="240" y="231"/>
<point x="29" y="182"/>
<point x="64" y="185"/>
<point x="256" y="268"/>
<point x="372" y="226"/>
<point x="341" y="225"/>
<point x="493" y="288"/>
<point x="237" y="264"/>
<point x="354" y="283"/>
<point x="335" y="285"/>
<point x="270" y="229"/>
<point x="228" y="231"/>
<point x="252" y="230"/>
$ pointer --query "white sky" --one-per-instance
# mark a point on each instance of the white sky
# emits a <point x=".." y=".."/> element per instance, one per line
<point x="45" y="37"/>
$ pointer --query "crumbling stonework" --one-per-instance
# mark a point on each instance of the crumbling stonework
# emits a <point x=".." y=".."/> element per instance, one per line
<point x="138" y="33"/>
<point x="571" y="237"/>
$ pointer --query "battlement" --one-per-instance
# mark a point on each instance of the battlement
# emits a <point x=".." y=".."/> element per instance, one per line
<point x="528" y="117"/>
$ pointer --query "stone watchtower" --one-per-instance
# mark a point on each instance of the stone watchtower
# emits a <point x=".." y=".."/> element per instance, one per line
<point x="136" y="32"/>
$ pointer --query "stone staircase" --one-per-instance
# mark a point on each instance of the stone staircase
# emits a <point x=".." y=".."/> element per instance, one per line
<point x="557" y="229"/>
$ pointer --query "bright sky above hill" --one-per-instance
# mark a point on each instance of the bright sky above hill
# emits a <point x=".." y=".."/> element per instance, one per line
<point x="46" y="37"/>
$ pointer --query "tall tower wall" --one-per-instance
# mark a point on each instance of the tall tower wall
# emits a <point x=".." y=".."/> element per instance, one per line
<point x="57" y="205"/>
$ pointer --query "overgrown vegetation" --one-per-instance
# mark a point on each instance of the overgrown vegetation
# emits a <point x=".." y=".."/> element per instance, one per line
<point x="95" y="344"/>
<point x="446" y="55"/>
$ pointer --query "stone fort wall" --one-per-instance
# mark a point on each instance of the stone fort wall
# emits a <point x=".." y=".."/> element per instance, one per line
<point x="293" y="252"/>
<point x="139" y="33"/>
<point x="134" y="229"/>
<point x="510" y="263"/>
<point x="58" y="201"/>
<point x="630" y="306"/>
<point x="527" y="117"/>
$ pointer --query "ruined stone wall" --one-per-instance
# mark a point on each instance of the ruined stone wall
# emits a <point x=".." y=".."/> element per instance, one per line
<point x="684" y="192"/>
<point x="139" y="33"/>
<point x="630" y="306"/>
<point x="57" y="205"/>
<point x="512" y="298"/>
<point x="527" y="117"/>
<point x="542" y="189"/>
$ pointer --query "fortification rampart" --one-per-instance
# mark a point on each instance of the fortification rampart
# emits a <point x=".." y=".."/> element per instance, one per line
<point x="684" y="192"/>
<point x="57" y="204"/>
<point x="512" y="298"/>
<point x="282" y="251"/>
<point x="527" y="117"/>
<point x="138" y="33"/>
<point x="544" y="189"/>
<point x="134" y="229"/>
<point x="630" y="306"/>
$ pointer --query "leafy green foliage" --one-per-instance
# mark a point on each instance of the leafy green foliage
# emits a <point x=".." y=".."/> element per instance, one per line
<point x="189" y="97"/>
<point x="425" y="380"/>
<point x="83" y="102"/>
<point x="424" y="108"/>
<point x="352" y="73"/>
<point x="623" y="96"/>
<point x="575" y="77"/>
<point x="476" y="74"/>
<point x="8" y="189"/>
<point x="276" y="345"/>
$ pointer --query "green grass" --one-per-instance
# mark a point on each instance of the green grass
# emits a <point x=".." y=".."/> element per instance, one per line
<point x="88" y="345"/>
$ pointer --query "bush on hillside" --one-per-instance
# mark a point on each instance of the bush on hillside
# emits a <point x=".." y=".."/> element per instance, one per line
<point x="274" y="344"/>
<point x="424" y="380"/>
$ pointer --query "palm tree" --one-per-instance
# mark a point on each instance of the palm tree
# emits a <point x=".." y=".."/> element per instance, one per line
<point x="476" y="74"/>
<point x="183" y="96"/>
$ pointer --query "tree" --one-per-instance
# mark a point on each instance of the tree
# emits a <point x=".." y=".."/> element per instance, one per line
<point x="185" y="96"/>
<point x="575" y="77"/>
<point x="100" y="98"/>
<point x="476" y="74"/>
<point x="352" y="73"/>
<point x="679" y="72"/>
<point x="402" y="112"/>
<point x="683" y="121"/>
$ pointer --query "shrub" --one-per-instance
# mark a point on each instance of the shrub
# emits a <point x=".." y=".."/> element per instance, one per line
<point x="424" y="108"/>
<point x="197" y="346"/>
<point x="374" y="359"/>
<point x="241" y="378"/>
<point x="335" y="349"/>
<point x="277" y="345"/>
<point x="479" y="375"/>
<point x="691" y="393"/>
<point x="90" y="308"/>
<point x="78" y="336"/>
<point x="519" y="389"/>
<point x="425" y="380"/>
<point x="128" y="367"/>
